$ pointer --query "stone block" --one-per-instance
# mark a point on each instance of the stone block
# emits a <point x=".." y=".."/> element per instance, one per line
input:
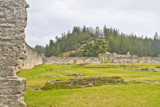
<point x="12" y="101"/>
<point x="10" y="86"/>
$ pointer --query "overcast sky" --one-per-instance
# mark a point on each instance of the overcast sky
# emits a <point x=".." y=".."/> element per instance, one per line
<point x="50" y="18"/>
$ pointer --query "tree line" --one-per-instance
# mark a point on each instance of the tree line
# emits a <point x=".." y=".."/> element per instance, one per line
<point x="108" y="39"/>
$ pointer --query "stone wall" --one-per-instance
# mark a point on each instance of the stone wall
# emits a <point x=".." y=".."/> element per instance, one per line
<point x="127" y="58"/>
<point x="119" y="58"/>
<point x="124" y="60"/>
<point x="149" y="60"/>
<point x="71" y="60"/>
<point x="13" y="16"/>
<point x="113" y="58"/>
<point x="32" y="58"/>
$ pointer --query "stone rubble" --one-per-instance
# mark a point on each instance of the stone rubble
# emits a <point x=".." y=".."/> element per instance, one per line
<point x="81" y="83"/>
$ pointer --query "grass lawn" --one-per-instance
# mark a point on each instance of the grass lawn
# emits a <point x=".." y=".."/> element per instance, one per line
<point x="131" y="95"/>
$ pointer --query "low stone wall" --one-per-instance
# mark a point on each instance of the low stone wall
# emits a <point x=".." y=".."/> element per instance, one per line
<point x="127" y="58"/>
<point x="82" y="82"/>
<point x="124" y="60"/>
<point x="32" y="58"/>
<point x="149" y="60"/>
<point x="71" y="60"/>
<point x="101" y="59"/>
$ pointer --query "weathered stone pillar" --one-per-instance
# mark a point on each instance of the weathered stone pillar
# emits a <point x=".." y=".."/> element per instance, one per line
<point x="13" y="16"/>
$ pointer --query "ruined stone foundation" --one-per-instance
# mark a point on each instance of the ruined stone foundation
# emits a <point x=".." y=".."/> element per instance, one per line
<point x="13" y="18"/>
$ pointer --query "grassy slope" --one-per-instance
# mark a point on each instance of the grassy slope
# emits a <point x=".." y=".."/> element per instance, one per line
<point x="132" y="95"/>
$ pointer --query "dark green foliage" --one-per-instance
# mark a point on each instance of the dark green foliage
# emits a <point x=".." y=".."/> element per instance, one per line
<point x="39" y="49"/>
<point x="109" y="39"/>
<point x="47" y="51"/>
<point x="93" y="49"/>
<point x="71" y="41"/>
<point x="50" y="49"/>
<point x="122" y="43"/>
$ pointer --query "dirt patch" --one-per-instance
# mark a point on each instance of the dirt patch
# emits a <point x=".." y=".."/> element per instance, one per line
<point x="157" y="66"/>
<point x="113" y="66"/>
<point x="147" y="81"/>
<point x="57" y="70"/>
<point x="46" y="77"/>
<point x="75" y="74"/>
<point x="143" y="70"/>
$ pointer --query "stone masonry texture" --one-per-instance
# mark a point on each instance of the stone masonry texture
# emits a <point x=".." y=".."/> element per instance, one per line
<point x="32" y="58"/>
<point x="13" y="17"/>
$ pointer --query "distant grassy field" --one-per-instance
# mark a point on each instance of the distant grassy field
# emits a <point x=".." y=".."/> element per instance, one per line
<point x="131" y="95"/>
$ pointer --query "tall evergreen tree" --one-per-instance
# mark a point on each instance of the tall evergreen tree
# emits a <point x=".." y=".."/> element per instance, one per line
<point x="117" y="42"/>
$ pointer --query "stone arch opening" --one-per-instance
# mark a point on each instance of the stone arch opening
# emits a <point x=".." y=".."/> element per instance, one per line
<point x="74" y="62"/>
<point x="106" y="60"/>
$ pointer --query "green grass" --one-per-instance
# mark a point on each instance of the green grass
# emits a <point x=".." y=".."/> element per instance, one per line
<point x="131" y="95"/>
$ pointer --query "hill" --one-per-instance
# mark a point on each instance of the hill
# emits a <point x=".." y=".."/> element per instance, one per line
<point x="108" y="39"/>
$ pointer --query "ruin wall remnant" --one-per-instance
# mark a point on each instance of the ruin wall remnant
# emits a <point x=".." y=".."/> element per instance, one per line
<point x="13" y="17"/>
<point x="32" y="58"/>
<point x="71" y="60"/>
<point x="112" y="58"/>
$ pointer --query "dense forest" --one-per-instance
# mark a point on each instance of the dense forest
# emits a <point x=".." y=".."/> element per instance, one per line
<point x="90" y="42"/>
